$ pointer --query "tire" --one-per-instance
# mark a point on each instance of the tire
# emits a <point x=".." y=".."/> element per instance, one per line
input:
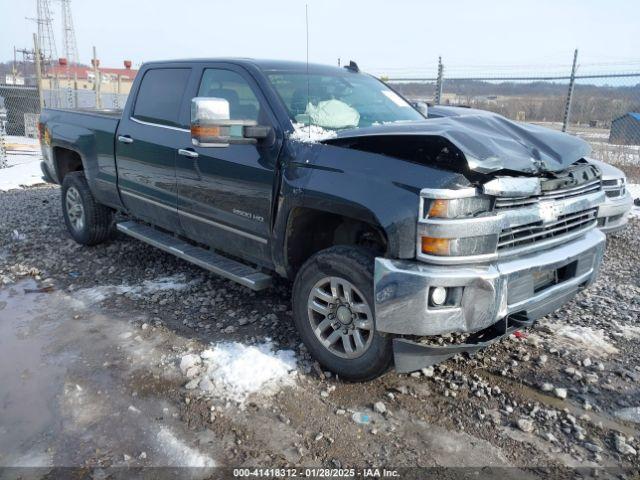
<point x="88" y="222"/>
<point x="46" y="176"/>
<point x="338" y="269"/>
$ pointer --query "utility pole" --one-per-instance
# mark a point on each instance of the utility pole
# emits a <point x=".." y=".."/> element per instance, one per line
<point x="572" y="81"/>
<point x="96" y="78"/>
<point x="439" y="80"/>
<point x="3" y="147"/>
<point x="36" y="60"/>
<point x="116" y="102"/>
<point x="14" y="70"/>
<point x="75" y="89"/>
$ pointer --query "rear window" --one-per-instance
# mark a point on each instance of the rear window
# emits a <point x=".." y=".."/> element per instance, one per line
<point x="160" y="95"/>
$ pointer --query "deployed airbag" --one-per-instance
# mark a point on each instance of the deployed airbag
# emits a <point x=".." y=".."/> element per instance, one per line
<point x="332" y="114"/>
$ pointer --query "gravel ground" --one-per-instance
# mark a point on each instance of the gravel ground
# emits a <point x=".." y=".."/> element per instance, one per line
<point x="564" y="393"/>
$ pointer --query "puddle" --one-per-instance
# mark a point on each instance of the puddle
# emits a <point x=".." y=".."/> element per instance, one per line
<point x="67" y="394"/>
<point x="28" y="392"/>
<point x="559" y="404"/>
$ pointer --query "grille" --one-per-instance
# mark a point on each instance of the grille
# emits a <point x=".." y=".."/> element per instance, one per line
<point x="613" y="193"/>
<point x="538" y="231"/>
<point x="518" y="202"/>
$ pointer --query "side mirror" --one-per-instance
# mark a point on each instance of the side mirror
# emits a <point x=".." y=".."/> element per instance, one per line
<point x="421" y="107"/>
<point x="211" y="125"/>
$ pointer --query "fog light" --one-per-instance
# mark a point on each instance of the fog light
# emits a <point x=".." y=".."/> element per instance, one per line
<point x="438" y="296"/>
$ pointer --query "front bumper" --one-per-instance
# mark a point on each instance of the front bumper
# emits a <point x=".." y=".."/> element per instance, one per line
<point x="613" y="214"/>
<point x="486" y="293"/>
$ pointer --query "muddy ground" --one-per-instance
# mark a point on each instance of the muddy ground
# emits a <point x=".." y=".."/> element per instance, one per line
<point x="90" y="371"/>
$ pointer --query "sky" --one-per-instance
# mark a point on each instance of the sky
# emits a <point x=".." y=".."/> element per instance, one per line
<point x="393" y="38"/>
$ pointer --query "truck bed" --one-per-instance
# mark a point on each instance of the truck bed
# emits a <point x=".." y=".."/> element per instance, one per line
<point x="91" y="134"/>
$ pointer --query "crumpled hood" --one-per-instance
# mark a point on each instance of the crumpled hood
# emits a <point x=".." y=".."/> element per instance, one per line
<point x="490" y="142"/>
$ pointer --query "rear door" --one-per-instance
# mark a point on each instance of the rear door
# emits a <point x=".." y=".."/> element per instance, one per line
<point x="146" y="144"/>
<point x="225" y="194"/>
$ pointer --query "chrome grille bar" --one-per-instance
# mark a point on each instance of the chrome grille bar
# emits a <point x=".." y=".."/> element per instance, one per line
<point x="506" y="203"/>
<point x="527" y="234"/>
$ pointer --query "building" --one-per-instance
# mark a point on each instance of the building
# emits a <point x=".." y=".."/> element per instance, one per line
<point x="625" y="130"/>
<point x="82" y="77"/>
<point x="82" y="72"/>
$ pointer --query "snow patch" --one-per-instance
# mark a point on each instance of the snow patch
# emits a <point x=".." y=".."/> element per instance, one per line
<point x="310" y="133"/>
<point x="17" y="236"/>
<point x="634" y="190"/>
<point x="93" y="295"/>
<point x="577" y="337"/>
<point x="179" y="454"/>
<point x="629" y="332"/>
<point x="630" y="414"/>
<point x="22" y="170"/>
<point x="235" y="371"/>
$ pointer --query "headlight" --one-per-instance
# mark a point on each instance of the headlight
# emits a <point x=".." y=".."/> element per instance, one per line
<point x="448" y="222"/>
<point x="458" y="207"/>
<point x="458" y="247"/>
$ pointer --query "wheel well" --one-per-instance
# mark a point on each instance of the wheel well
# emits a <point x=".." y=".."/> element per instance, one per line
<point x="66" y="161"/>
<point x="310" y="230"/>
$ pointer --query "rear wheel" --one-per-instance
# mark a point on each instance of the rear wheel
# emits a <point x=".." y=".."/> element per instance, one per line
<point x="333" y="309"/>
<point x="88" y="222"/>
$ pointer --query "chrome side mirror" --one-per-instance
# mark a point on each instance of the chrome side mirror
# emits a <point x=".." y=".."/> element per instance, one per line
<point x="211" y="125"/>
<point x="421" y="107"/>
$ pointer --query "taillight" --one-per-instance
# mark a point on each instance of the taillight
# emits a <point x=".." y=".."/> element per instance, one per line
<point x="43" y="134"/>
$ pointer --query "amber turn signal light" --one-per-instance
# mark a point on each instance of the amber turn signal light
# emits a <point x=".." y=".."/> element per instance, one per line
<point x="203" y="132"/>
<point x="439" y="208"/>
<point x="435" y="246"/>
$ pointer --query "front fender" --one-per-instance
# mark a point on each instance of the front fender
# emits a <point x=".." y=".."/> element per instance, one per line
<point x="372" y="188"/>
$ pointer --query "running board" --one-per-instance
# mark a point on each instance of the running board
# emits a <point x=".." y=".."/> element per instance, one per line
<point x="207" y="259"/>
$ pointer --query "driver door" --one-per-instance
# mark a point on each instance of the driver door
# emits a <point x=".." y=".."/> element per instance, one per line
<point x="225" y="193"/>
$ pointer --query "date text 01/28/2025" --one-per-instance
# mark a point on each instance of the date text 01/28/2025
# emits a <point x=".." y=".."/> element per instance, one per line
<point x="315" y="472"/>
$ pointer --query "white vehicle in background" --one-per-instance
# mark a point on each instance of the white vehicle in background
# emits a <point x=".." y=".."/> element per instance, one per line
<point x="613" y="214"/>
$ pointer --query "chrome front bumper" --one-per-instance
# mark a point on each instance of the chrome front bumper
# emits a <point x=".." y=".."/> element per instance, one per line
<point x="487" y="292"/>
<point x="613" y="214"/>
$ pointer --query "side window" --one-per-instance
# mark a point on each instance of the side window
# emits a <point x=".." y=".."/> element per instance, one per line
<point x="243" y="104"/>
<point x="160" y="95"/>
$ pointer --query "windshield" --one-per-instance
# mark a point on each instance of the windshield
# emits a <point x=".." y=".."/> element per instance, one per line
<point x="340" y="101"/>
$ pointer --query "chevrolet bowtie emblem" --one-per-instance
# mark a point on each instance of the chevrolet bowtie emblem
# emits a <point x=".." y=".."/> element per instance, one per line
<point x="549" y="212"/>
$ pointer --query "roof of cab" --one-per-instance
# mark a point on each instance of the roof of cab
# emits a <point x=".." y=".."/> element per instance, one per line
<point x="263" y="64"/>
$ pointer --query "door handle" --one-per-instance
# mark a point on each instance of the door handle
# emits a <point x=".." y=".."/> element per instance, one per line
<point x="125" y="139"/>
<point x="188" y="153"/>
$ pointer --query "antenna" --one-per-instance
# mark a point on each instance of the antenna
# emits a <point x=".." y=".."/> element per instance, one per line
<point x="306" y="18"/>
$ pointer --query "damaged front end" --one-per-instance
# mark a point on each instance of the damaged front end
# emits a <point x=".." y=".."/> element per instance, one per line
<point x="485" y="143"/>
<point x="512" y="247"/>
<point x="515" y="243"/>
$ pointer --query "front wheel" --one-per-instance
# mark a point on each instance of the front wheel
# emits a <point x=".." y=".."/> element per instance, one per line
<point x="334" y="313"/>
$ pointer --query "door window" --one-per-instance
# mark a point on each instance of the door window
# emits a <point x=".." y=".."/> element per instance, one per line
<point x="160" y="96"/>
<point x="231" y="86"/>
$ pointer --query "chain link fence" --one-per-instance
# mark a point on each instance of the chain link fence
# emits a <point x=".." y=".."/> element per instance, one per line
<point x="602" y="108"/>
<point x="20" y="107"/>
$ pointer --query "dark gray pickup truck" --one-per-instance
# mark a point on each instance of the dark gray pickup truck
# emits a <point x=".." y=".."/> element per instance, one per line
<point x="394" y="227"/>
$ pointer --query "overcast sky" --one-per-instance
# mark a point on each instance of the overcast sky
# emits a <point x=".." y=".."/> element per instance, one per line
<point x="394" y="37"/>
